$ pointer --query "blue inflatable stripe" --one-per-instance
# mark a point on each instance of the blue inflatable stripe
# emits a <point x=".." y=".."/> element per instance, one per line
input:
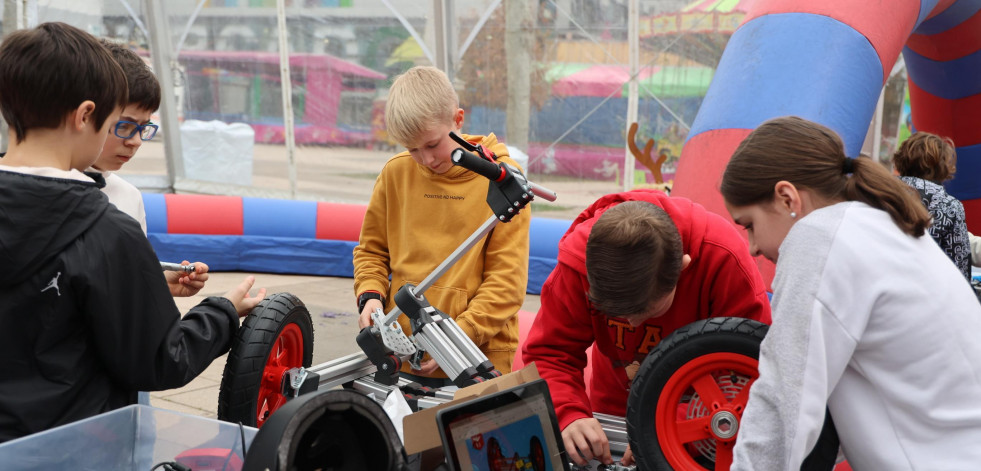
<point x="288" y="255"/>
<point x="947" y="19"/>
<point x="279" y="218"/>
<point x="544" y="234"/>
<point x="156" y="212"/>
<point x="952" y="79"/>
<point x="966" y="185"/>
<point x="793" y="64"/>
<point x="538" y="270"/>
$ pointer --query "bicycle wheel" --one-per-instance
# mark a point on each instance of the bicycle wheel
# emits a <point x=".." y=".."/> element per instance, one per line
<point x="275" y="337"/>
<point x="690" y="392"/>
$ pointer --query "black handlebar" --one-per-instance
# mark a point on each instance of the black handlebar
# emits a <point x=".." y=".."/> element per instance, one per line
<point x="475" y="163"/>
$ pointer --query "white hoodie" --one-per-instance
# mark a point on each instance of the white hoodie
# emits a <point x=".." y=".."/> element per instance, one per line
<point x="881" y="327"/>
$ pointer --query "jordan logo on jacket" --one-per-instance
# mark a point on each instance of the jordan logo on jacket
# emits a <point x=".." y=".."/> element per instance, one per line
<point x="53" y="284"/>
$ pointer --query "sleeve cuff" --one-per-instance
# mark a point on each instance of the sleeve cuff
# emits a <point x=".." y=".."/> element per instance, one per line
<point x="470" y="329"/>
<point x="226" y="306"/>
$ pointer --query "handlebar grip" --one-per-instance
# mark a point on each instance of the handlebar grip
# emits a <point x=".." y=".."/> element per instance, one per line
<point x="478" y="165"/>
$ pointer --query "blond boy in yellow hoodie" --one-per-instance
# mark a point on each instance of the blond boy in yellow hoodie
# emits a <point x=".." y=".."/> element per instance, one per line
<point x="422" y="208"/>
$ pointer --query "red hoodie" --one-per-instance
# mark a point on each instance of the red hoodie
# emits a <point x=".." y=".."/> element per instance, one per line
<point x="721" y="280"/>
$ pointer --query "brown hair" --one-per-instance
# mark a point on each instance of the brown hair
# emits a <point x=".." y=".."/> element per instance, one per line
<point x="927" y="156"/>
<point x="633" y="258"/>
<point x="811" y="156"/>
<point x="144" y="89"/>
<point x="419" y="99"/>
<point x="48" y="71"/>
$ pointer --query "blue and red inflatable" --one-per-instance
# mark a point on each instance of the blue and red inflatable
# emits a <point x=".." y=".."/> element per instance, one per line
<point x="232" y="233"/>
<point x="827" y="61"/>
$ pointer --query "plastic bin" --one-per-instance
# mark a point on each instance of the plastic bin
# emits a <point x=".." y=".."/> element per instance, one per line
<point x="132" y="438"/>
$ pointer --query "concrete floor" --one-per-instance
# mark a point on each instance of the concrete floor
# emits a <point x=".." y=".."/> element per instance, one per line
<point x="331" y="304"/>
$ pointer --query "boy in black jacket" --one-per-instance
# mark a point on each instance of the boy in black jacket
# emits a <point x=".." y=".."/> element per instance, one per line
<point x="87" y="317"/>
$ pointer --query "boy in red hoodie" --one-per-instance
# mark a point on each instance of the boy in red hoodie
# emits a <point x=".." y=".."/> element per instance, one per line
<point x="632" y="268"/>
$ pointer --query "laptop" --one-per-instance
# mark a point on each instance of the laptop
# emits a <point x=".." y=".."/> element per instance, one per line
<point x="511" y="429"/>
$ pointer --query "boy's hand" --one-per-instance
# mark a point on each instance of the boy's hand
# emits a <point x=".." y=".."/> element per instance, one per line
<point x="239" y="296"/>
<point x="628" y="457"/>
<point x="364" y="320"/>
<point x="187" y="284"/>
<point x="426" y="367"/>
<point x="585" y="440"/>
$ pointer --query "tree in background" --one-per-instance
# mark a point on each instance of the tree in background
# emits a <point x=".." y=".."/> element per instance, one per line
<point x="484" y="69"/>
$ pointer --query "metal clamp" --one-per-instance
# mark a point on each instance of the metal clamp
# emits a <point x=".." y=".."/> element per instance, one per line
<point x="297" y="377"/>
<point x="615" y="466"/>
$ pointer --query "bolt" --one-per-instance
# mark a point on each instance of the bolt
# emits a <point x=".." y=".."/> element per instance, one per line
<point x="724" y="425"/>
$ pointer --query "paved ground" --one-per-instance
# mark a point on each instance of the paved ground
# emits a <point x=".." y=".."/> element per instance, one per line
<point x="331" y="305"/>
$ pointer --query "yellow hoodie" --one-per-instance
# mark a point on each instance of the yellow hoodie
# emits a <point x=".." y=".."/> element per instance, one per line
<point x="416" y="219"/>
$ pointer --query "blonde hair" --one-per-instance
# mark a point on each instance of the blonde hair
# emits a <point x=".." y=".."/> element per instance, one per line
<point x="419" y="99"/>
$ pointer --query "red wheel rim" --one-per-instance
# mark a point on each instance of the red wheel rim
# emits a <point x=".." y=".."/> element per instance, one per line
<point x="286" y="353"/>
<point x="700" y="406"/>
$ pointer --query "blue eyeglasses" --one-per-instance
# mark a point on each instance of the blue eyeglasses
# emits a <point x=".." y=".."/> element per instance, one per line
<point x="128" y="129"/>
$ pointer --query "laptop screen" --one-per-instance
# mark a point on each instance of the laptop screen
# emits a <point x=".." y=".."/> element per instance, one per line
<point x="510" y="429"/>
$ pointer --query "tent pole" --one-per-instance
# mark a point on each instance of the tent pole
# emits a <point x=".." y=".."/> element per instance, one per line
<point x="633" y="39"/>
<point x="286" y="81"/>
<point x="445" y="23"/>
<point x="164" y="63"/>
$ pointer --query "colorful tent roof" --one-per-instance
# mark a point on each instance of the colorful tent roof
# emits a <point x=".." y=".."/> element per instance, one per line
<point x="701" y="16"/>
<point x="606" y="80"/>
<point x="722" y="6"/>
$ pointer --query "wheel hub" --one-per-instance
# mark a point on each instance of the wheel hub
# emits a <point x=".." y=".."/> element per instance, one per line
<point x="724" y="425"/>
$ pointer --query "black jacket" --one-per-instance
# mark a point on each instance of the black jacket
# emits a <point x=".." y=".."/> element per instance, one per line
<point x="86" y="318"/>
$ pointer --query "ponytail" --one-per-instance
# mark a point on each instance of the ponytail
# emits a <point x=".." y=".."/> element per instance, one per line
<point x="873" y="185"/>
<point x="811" y="156"/>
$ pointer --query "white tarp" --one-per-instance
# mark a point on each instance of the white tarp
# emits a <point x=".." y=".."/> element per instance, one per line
<point x="218" y="152"/>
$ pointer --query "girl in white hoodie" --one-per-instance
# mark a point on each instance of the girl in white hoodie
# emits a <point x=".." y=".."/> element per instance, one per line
<point x="870" y="319"/>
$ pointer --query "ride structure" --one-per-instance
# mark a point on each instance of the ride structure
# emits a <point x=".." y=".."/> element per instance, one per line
<point x="827" y="61"/>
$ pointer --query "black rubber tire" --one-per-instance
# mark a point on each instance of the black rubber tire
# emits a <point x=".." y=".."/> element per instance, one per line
<point x="714" y="335"/>
<point x="240" y="382"/>
<point x="338" y="430"/>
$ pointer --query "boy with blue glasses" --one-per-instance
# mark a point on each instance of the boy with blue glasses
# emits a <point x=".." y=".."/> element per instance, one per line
<point x="128" y="133"/>
<point x="126" y="136"/>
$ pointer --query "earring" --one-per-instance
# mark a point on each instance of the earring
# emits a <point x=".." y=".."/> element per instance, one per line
<point x="793" y="215"/>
